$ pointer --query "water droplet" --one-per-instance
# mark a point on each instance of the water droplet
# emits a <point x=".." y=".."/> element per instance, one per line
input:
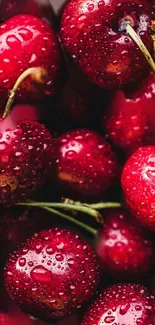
<point x="33" y="58"/>
<point x="25" y="33"/>
<point x="82" y="17"/>
<point x="49" y="250"/>
<point x="91" y="7"/>
<point x="59" y="257"/>
<point x="101" y="4"/>
<point x="39" y="248"/>
<point x="30" y="263"/>
<point x="139" y="321"/>
<point x="13" y="42"/>
<point x="71" y="261"/>
<point x="22" y="262"/>
<point x="138" y="307"/>
<point x="124" y="309"/>
<point x="109" y="319"/>
<point x="39" y="273"/>
<point x="126" y="40"/>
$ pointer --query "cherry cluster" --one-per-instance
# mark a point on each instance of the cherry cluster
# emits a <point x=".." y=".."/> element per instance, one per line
<point x="77" y="162"/>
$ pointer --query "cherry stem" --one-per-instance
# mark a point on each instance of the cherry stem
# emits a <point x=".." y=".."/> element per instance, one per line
<point x="104" y="205"/>
<point x="79" y="208"/>
<point x="78" y="223"/>
<point x="96" y="206"/>
<point x="141" y="45"/>
<point x="37" y="74"/>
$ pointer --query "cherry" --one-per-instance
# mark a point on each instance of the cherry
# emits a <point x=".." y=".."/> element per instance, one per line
<point x="124" y="248"/>
<point x="54" y="273"/>
<point x="94" y="34"/>
<point x="84" y="165"/>
<point x="25" y="159"/>
<point x="26" y="149"/>
<point x="27" y="42"/>
<point x="122" y="304"/>
<point x="138" y="183"/>
<point x="128" y="122"/>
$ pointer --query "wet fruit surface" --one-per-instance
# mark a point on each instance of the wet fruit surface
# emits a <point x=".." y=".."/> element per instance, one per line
<point x="124" y="248"/>
<point x="122" y="304"/>
<point x="52" y="274"/>
<point x="138" y="183"/>
<point x="25" y="159"/>
<point x="27" y="41"/>
<point x="129" y="121"/>
<point x="85" y="165"/>
<point x="94" y="34"/>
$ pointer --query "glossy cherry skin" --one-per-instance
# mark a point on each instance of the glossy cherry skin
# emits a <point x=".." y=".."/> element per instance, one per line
<point x="84" y="165"/>
<point x="121" y="304"/>
<point x="138" y="184"/>
<point x="129" y="121"/>
<point x="124" y="248"/>
<point x="52" y="274"/>
<point x="93" y="34"/>
<point x="28" y="41"/>
<point x="25" y="159"/>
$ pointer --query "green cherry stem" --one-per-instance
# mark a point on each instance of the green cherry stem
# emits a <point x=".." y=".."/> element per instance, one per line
<point x="79" y="208"/>
<point x="96" y="206"/>
<point x="105" y="205"/>
<point x="141" y="45"/>
<point x="78" y="223"/>
<point x="37" y="74"/>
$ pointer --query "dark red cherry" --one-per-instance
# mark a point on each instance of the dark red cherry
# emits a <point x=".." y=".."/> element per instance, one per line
<point x="94" y="35"/>
<point x="84" y="165"/>
<point x="125" y="250"/>
<point x="129" y="121"/>
<point x="26" y="150"/>
<point x="53" y="274"/>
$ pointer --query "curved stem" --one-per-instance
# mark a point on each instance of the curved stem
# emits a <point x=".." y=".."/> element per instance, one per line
<point x="78" y="223"/>
<point x="141" y="45"/>
<point x="38" y="75"/>
<point x="104" y="205"/>
<point x="79" y="208"/>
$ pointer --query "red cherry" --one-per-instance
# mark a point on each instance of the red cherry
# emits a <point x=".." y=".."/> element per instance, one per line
<point x="28" y="41"/>
<point x="52" y="274"/>
<point x="84" y="165"/>
<point x="122" y="304"/>
<point x="25" y="159"/>
<point x="123" y="247"/>
<point x="138" y="183"/>
<point x="128" y="123"/>
<point x="94" y="34"/>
